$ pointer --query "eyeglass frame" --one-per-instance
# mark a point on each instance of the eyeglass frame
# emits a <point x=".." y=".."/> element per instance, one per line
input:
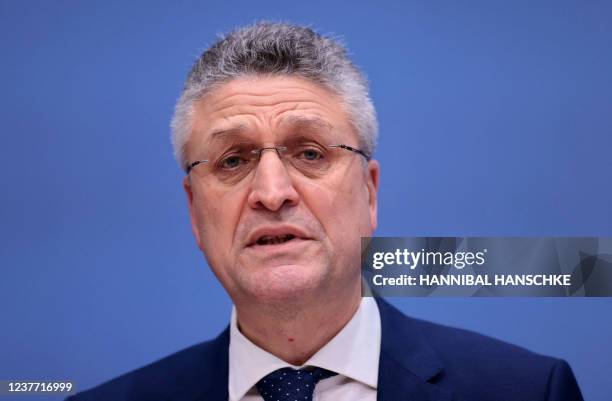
<point x="278" y="149"/>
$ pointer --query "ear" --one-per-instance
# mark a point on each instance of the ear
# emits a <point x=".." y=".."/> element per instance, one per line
<point x="192" y="215"/>
<point x="372" y="175"/>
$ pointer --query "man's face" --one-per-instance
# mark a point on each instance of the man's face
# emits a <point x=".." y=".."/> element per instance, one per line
<point x="276" y="233"/>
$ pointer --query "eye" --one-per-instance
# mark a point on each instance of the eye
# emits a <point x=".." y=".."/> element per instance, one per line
<point x="311" y="154"/>
<point x="232" y="162"/>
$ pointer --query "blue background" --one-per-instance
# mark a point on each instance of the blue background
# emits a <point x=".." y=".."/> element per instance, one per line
<point x="495" y="119"/>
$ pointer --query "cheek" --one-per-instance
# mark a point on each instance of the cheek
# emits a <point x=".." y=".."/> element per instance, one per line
<point x="217" y="216"/>
<point x="342" y="210"/>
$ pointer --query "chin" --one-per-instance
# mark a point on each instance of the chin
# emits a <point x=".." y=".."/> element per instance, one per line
<point x="286" y="283"/>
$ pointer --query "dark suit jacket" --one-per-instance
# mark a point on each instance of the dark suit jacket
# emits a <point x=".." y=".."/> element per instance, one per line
<point x="419" y="361"/>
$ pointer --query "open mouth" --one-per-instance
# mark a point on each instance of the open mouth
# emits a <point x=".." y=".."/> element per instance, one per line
<point x="274" y="239"/>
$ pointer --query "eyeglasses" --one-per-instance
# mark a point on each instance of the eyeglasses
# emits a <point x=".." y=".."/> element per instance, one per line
<point x="310" y="159"/>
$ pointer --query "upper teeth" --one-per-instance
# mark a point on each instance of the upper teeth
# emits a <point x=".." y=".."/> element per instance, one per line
<point x="274" y="239"/>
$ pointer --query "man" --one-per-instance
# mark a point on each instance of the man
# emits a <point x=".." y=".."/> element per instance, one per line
<point x="275" y="131"/>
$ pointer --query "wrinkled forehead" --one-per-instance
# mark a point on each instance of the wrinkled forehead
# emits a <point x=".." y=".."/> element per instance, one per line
<point x="289" y="127"/>
<point x="268" y="109"/>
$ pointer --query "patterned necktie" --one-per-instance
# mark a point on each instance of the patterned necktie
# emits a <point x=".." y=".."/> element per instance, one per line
<point x="289" y="384"/>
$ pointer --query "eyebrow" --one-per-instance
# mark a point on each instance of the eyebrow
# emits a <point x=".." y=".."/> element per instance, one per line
<point x="307" y="122"/>
<point x="221" y="133"/>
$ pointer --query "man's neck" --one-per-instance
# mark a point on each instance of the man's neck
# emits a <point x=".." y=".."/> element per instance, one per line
<point x="295" y="333"/>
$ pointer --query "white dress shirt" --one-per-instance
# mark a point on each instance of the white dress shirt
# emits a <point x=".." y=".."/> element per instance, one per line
<point x="353" y="353"/>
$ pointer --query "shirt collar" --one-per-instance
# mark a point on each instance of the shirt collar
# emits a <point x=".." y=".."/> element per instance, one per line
<point x="359" y="339"/>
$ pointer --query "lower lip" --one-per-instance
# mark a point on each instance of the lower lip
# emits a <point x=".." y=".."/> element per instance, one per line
<point x="286" y="246"/>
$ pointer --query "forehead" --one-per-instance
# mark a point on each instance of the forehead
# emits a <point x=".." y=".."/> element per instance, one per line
<point x="266" y="105"/>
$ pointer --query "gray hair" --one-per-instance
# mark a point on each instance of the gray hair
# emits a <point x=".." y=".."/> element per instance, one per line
<point x="277" y="49"/>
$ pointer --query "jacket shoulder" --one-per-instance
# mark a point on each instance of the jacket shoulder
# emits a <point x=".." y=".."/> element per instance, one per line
<point x="177" y="376"/>
<point x="476" y="366"/>
<point x="497" y="368"/>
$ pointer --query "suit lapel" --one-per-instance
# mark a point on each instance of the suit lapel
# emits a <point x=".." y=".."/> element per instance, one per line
<point x="407" y="363"/>
<point x="210" y="382"/>
<point x="218" y="370"/>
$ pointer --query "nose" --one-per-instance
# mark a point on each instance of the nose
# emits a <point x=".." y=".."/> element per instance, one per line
<point x="272" y="186"/>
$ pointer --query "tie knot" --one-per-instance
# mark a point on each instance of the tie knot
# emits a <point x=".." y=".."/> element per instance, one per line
<point x="290" y="384"/>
